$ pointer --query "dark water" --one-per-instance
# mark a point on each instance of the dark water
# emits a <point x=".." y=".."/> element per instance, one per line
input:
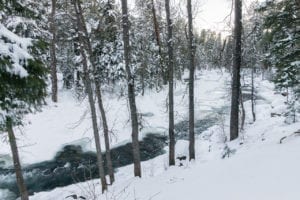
<point x="182" y="128"/>
<point x="72" y="165"/>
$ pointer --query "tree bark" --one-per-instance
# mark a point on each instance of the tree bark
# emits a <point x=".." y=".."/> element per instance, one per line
<point x="191" y="82"/>
<point x="234" y="114"/>
<point x="157" y="36"/>
<point x="106" y="136"/>
<point x="171" y="87"/>
<point x="99" y="97"/>
<point x="17" y="165"/>
<point x="89" y="91"/>
<point x="131" y="92"/>
<point x="243" y="111"/>
<point x="252" y="94"/>
<point x="53" y="53"/>
<point x="100" y="102"/>
<point x="156" y="27"/>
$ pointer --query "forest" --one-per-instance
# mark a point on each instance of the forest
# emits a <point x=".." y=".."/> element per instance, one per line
<point x="115" y="100"/>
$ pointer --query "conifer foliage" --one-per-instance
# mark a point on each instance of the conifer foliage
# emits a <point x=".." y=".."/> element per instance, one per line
<point x="22" y="73"/>
<point x="282" y="36"/>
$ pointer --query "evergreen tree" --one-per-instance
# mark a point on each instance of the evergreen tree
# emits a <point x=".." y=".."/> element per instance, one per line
<point x="22" y="73"/>
<point x="146" y="52"/>
<point x="282" y="36"/>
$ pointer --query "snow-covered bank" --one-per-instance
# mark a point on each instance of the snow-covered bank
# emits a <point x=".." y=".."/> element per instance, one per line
<point x="262" y="170"/>
<point x="68" y="121"/>
<point x="262" y="164"/>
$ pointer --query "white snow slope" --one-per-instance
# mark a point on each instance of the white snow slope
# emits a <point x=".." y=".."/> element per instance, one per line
<point x="258" y="167"/>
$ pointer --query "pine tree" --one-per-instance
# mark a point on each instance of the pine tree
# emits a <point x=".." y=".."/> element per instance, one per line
<point x="282" y="36"/>
<point x="22" y="73"/>
<point x="145" y="51"/>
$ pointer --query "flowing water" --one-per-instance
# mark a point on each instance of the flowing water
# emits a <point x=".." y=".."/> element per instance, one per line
<point x="72" y="165"/>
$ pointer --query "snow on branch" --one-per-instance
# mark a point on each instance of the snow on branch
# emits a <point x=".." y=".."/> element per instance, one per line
<point x="15" y="49"/>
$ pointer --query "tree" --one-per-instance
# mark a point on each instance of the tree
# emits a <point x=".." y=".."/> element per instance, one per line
<point x="157" y="35"/>
<point x="21" y="70"/>
<point x="191" y="82"/>
<point x="252" y="49"/>
<point x="171" y="87"/>
<point x="108" y="34"/>
<point x="235" y="89"/>
<point x="145" y="51"/>
<point x="106" y="40"/>
<point x="131" y="93"/>
<point x="281" y="36"/>
<point x="85" y="54"/>
<point x="107" y="29"/>
<point x="66" y="64"/>
<point x="53" y="52"/>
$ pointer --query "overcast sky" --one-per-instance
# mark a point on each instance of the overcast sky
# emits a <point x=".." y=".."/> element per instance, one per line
<point x="210" y="14"/>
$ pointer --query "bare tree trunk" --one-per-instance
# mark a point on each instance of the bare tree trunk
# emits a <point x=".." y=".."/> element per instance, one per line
<point x="17" y="165"/>
<point x="143" y="68"/>
<point x="298" y="3"/>
<point x="99" y="97"/>
<point x="131" y="93"/>
<point x="252" y="94"/>
<point x="243" y="111"/>
<point x="89" y="91"/>
<point x="171" y="87"/>
<point x="234" y="114"/>
<point x="106" y="136"/>
<point x="53" y="53"/>
<point x="191" y="82"/>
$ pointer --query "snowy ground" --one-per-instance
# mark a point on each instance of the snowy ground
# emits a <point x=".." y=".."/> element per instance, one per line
<point x="68" y="121"/>
<point x="256" y="166"/>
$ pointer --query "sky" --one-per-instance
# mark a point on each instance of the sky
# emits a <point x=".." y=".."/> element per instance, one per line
<point x="211" y="14"/>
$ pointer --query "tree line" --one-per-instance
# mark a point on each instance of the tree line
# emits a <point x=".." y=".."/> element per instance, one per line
<point x="100" y="43"/>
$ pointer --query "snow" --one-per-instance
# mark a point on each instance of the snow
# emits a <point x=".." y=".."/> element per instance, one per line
<point x="296" y="63"/>
<point x="5" y="160"/>
<point x="15" y="49"/>
<point x="6" y="194"/>
<point x="68" y="121"/>
<point x="262" y="164"/>
<point x="262" y="170"/>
